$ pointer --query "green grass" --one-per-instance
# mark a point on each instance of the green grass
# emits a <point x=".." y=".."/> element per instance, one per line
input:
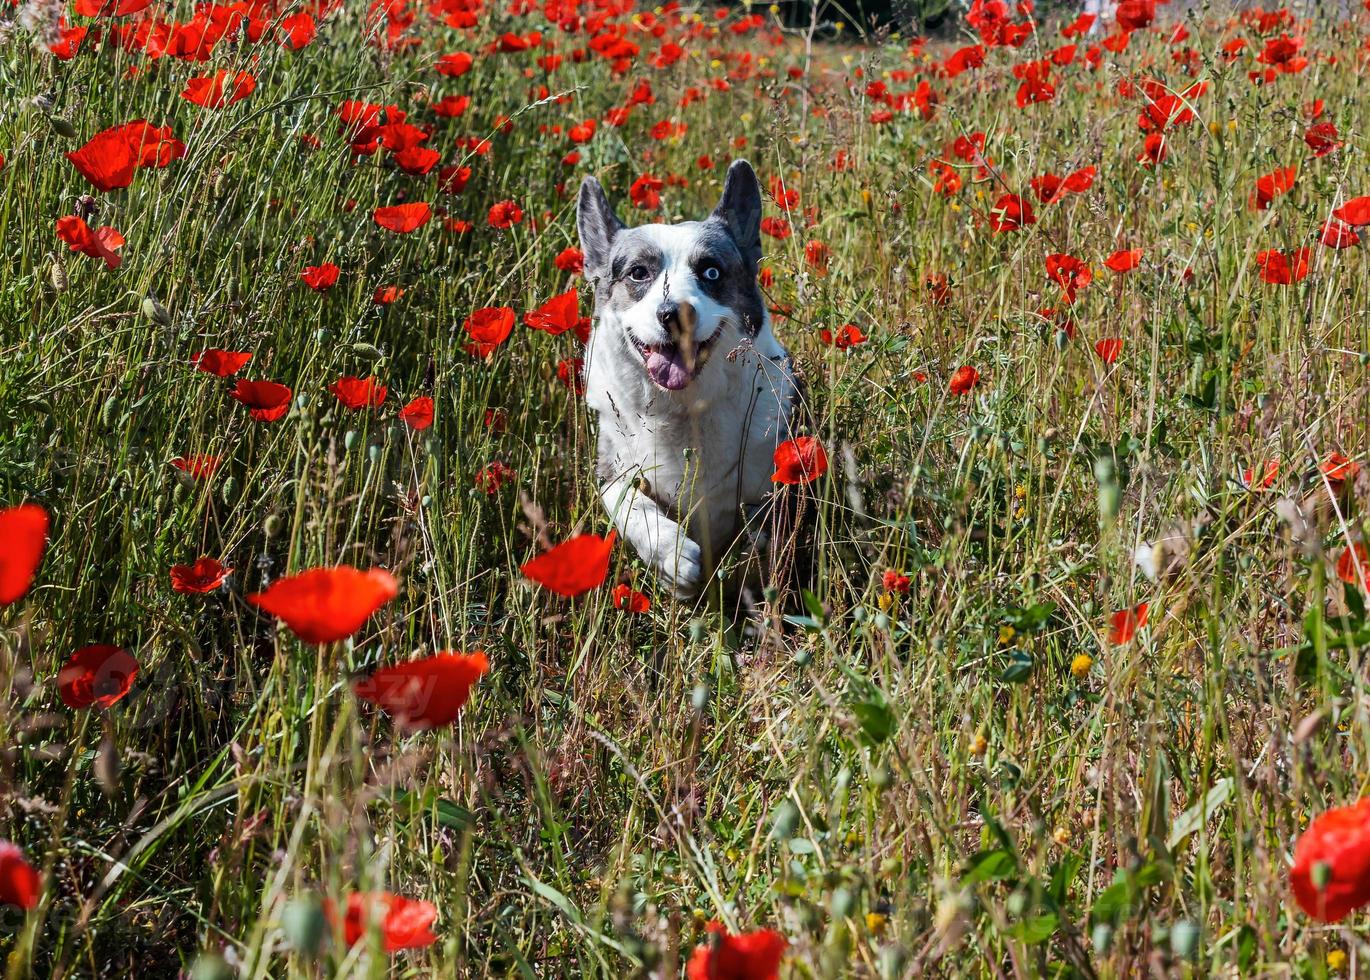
<point x="616" y="781"/>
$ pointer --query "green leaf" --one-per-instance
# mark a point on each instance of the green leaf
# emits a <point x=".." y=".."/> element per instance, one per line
<point x="1195" y="817"/>
<point x="876" y="718"/>
<point x="1035" y="928"/>
<point x="995" y="865"/>
<point x="1112" y="902"/>
<point x="1019" y="667"/>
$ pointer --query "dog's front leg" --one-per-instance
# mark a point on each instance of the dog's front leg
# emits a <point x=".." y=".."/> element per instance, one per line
<point x="674" y="556"/>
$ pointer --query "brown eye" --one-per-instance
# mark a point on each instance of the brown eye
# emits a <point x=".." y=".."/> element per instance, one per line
<point x="639" y="273"/>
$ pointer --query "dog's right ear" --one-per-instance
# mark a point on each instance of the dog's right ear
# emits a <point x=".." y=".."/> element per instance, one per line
<point x="598" y="225"/>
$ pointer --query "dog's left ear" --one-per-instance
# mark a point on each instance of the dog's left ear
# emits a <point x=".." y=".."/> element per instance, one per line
<point x="740" y="209"/>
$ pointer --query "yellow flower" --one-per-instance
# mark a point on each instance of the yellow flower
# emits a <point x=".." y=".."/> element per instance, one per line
<point x="980" y="746"/>
<point x="875" y="922"/>
<point x="1081" y="664"/>
<point x="1232" y="125"/>
<point x="1336" y="960"/>
<point x="1061" y="835"/>
<point x="885" y="601"/>
<point x="775" y="8"/>
<point x="1020" y="492"/>
<point x="1006" y="635"/>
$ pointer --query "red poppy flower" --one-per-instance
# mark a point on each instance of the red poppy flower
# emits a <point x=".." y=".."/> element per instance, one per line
<point x="1154" y="150"/>
<point x="1322" y="138"/>
<point x="1271" y="186"/>
<point x="848" y="335"/>
<point x="406" y="923"/>
<point x="418" y="414"/>
<point x="453" y="180"/>
<point x="1068" y="272"/>
<point x="489" y="327"/>
<point x="1355" y="212"/>
<point x="357" y="393"/>
<point x="385" y="295"/>
<point x="1337" y="235"/>
<point x="1010" y="213"/>
<point x="107" y="160"/>
<point x="427" y="693"/>
<point x="98" y="244"/>
<point x="573" y="567"/>
<point x="201" y="466"/>
<point x="1353" y="567"/>
<point x="777" y="228"/>
<point x="454" y="65"/>
<point x="571" y="373"/>
<point x="266" y="401"/>
<point x="817" y="255"/>
<point x="504" y="214"/>
<point x="742" y="956"/>
<point x="1270" y="469"/>
<point x="320" y="277"/>
<point x="403" y="218"/>
<point x="23" y="536"/>
<point x="221" y="363"/>
<point x="153" y="146"/>
<point x="893" y="581"/>
<point x="1123" y="626"/>
<point x="205" y="575"/>
<point x="557" y="315"/>
<point x="963" y="379"/>
<point x="645" y="193"/>
<point x="98" y="674"/>
<point x="1280" y="269"/>
<point x="20" y="884"/>
<point x="493" y="476"/>
<point x="1108" y="349"/>
<point x="208" y="90"/>
<point x="323" y="605"/>
<point x="570" y="259"/>
<point x="1335" y="851"/>
<point x="630" y="600"/>
<point x="1337" y="467"/>
<point x="1124" y="260"/>
<point x="799" y="461"/>
<point x="298" y="30"/>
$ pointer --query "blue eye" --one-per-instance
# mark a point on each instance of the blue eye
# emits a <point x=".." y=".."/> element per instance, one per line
<point x="711" y="273"/>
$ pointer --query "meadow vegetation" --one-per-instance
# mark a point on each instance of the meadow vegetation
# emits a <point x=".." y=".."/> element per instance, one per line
<point x="1060" y="303"/>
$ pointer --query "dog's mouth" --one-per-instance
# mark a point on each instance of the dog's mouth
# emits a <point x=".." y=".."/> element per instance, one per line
<point x="673" y="365"/>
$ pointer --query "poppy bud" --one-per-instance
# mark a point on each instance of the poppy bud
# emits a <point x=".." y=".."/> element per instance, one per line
<point x="271" y="526"/>
<point x="784" y="821"/>
<point x="229" y="490"/>
<point x="803" y="658"/>
<point x="858" y="614"/>
<point x="843" y="902"/>
<point x="369" y="351"/>
<point x="350" y="440"/>
<point x="1062" y="340"/>
<point x="373" y="453"/>
<point x="62" y="127"/>
<point x="107" y="412"/>
<point x="882" y="622"/>
<point x="304" y="924"/>
<point x="1184" y="938"/>
<point x="155" y="311"/>
<point x="210" y="966"/>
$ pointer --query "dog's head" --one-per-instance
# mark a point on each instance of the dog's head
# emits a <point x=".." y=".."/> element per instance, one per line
<point x="672" y="294"/>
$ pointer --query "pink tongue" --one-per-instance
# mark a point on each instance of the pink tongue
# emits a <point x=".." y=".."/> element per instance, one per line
<point x="667" y="369"/>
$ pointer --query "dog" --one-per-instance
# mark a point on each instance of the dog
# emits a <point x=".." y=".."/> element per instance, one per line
<point x="691" y="389"/>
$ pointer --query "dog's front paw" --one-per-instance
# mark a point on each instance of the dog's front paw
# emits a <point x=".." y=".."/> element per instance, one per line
<point x="682" y="569"/>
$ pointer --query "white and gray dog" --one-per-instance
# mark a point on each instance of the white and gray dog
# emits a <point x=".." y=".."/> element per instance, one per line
<point x="692" y="390"/>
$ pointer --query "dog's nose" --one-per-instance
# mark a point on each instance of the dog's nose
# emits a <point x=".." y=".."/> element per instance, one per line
<point x="679" y="319"/>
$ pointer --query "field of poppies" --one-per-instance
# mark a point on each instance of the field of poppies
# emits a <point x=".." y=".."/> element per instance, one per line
<point x="318" y="656"/>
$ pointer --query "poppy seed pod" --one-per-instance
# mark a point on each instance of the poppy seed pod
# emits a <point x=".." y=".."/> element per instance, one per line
<point x="155" y="311"/>
<point x="62" y="127"/>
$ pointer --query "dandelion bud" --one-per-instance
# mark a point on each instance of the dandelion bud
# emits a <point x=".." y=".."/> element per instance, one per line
<point x="155" y="311"/>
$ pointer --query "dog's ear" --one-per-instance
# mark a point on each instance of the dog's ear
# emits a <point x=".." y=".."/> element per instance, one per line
<point x="740" y="209"/>
<point x="598" y="225"/>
